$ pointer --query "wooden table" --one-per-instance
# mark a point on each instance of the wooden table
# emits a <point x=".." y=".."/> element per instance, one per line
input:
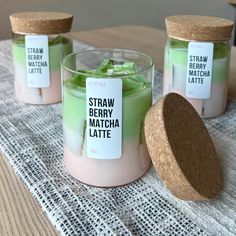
<point x="20" y="214"/>
<point x="144" y="39"/>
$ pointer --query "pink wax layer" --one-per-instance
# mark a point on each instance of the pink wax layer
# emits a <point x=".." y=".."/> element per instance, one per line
<point x="39" y="96"/>
<point x="133" y="164"/>
<point x="206" y="108"/>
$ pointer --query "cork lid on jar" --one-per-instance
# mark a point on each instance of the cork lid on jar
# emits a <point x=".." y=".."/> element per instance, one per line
<point x="181" y="149"/>
<point x="201" y="28"/>
<point x="41" y="22"/>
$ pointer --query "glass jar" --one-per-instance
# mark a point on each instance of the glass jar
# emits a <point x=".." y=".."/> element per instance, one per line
<point x="40" y="42"/>
<point x="106" y="94"/>
<point x="196" y="64"/>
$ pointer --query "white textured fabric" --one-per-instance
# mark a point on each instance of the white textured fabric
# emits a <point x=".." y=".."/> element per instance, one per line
<point x="31" y="139"/>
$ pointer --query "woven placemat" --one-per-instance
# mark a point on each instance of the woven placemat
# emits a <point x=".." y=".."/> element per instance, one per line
<point x="31" y="138"/>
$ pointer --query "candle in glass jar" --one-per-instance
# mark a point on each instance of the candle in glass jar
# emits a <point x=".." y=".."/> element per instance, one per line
<point x="197" y="61"/>
<point x="104" y="104"/>
<point x="39" y="44"/>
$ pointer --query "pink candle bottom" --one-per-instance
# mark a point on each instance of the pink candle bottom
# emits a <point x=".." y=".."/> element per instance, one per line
<point x="39" y="96"/>
<point x="206" y="108"/>
<point x="133" y="164"/>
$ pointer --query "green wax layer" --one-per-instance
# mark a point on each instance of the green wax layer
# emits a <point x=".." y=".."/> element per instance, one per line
<point x="134" y="108"/>
<point x="74" y="109"/>
<point x="176" y="53"/>
<point x="58" y="48"/>
<point x="136" y="99"/>
<point x="221" y="50"/>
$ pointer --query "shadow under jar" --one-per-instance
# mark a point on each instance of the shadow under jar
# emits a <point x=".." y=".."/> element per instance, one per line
<point x="40" y="42"/>
<point x="196" y="64"/>
<point x="106" y="94"/>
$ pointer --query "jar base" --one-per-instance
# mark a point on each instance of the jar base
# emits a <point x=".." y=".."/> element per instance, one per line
<point x="37" y="104"/>
<point x="107" y="173"/>
<point x="112" y="186"/>
<point x="37" y="96"/>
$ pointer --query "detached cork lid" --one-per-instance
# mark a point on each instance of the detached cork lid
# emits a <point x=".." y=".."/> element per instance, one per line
<point x="181" y="149"/>
<point x="201" y="28"/>
<point x="41" y="22"/>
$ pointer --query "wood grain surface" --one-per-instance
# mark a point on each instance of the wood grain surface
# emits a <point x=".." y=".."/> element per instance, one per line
<point x="20" y="214"/>
<point x="141" y="38"/>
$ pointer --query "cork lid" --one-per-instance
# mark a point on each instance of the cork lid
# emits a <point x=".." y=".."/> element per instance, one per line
<point x="201" y="28"/>
<point x="41" y="22"/>
<point x="181" y="149"/>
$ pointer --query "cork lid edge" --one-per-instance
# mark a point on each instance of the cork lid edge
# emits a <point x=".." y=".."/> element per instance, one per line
<point x="40" y="15"/>
<point x="163" y="159"/>
<point x="41" y="22"/>
<point x="193" y="193"/>
<point x="168" y="155"/>
<point x="195" y="27"/>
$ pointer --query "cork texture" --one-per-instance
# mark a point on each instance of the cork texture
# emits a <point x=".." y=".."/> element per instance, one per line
<point x="201" y="28"/>
<point x="181" y="149"/>
<point x="41" y="22"/>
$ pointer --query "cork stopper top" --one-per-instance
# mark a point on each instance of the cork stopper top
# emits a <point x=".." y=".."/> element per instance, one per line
<point x="41" y="22"/>
<point x="200" y="28"/>
<point x="181" y="149"/>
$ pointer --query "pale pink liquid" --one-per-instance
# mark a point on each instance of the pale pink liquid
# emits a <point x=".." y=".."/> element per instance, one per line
<point x="29" y="95"/>
<point x="133" y="164"/>
<point x="211" y="107"/>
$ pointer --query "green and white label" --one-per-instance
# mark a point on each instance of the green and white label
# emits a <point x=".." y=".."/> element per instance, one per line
<point x="199" y="70"/>
<point x="37" y="62"/>
<point x="104" y="118"/>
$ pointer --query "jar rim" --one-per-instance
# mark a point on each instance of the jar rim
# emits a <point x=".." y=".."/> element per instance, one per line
<point x="198" y="40"/>
<point x="115" y="50"/>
